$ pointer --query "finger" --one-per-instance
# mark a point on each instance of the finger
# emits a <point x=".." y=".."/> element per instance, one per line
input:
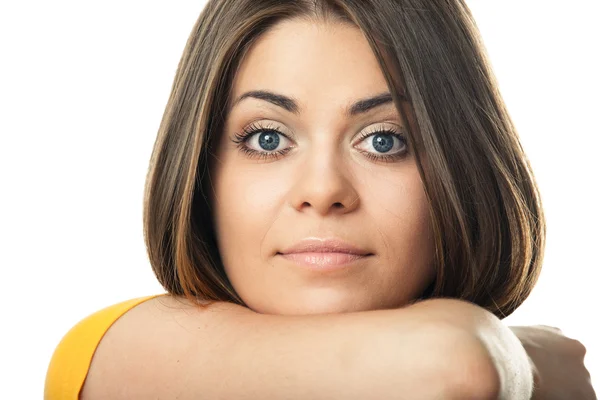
<point x="578" y="347"/>
<point x="552" y="327"/>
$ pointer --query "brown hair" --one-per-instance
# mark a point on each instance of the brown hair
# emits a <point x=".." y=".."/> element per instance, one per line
<point x="484" y="203"/>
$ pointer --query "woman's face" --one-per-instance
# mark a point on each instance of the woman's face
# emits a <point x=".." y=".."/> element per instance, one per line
<point x="311" y="175"/>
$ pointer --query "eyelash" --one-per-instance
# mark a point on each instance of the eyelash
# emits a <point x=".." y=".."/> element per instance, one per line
<point x="241" y="138"/>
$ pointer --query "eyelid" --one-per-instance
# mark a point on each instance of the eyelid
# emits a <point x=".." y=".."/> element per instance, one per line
<point x="376" y="128"/>
<point x="283" y="136"/>
<point x="260" y="123"/>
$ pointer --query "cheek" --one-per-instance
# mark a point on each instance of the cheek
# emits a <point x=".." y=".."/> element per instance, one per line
<point x="399" y="207"/>
<point x="247" y="204"/>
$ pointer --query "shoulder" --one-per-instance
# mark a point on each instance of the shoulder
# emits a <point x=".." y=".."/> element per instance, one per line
<point x="144" y="351"/>
<point x="72" y="357"/>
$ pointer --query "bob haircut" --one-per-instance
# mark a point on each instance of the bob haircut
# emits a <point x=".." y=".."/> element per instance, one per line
<point x="484" y="202"/>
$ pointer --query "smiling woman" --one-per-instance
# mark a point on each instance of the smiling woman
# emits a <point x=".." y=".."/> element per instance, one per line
<point x="324" y="171"/>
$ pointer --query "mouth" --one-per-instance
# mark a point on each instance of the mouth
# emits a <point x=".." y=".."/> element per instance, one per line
<point x="325" y="254"/>
<point x="325" y="261"/>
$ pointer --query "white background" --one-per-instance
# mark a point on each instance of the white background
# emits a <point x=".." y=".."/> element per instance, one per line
<point x="83" y="86"/>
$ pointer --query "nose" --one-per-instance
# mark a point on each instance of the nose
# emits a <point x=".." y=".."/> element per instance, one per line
<point x="323" y="184"/>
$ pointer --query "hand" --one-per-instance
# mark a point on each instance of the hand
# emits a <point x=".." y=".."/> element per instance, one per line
<point x="557" y="363"/>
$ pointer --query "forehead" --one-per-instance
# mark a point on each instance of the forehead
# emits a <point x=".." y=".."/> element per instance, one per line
<point x="310" y="60"/>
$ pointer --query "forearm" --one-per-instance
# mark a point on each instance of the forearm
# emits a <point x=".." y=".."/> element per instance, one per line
<point x="228" y="351"/>
<point x="439" y="348"/>
<point x="374" y="354"/>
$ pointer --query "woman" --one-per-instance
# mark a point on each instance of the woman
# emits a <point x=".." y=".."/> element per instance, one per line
<point x="342" y="183"/>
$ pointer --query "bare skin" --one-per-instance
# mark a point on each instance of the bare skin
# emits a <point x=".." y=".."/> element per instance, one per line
<point x="326" y="185"/>
<point x="168" y="348"/>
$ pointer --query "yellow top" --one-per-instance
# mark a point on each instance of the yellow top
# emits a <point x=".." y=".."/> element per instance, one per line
<point x="72" y="357"/>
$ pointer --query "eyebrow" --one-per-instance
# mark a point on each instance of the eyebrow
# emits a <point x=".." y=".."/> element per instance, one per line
<point x="291" y="105"/>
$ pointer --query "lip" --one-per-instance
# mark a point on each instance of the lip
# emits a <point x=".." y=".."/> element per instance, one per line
<point x="324" y="255"/>
<point x="327" y="245"/>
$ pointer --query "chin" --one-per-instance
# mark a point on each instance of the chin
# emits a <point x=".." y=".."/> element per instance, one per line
<point x="317" y="302"/>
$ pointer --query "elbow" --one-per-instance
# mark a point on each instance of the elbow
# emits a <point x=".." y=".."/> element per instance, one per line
<point x="485" y="360"/>
<point x="477" y="379"/>
<point x="487" y="384"/>
<point x="490" y="376"/>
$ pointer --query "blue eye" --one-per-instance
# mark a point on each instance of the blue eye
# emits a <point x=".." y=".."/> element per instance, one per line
<point x="261" y="142"/>
<point x="383" y="144"/>
<point x="268" y="140"/>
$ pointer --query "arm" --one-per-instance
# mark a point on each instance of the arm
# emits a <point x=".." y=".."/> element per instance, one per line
<point x="165" y="350"/>
<point x="506" y="369"/>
